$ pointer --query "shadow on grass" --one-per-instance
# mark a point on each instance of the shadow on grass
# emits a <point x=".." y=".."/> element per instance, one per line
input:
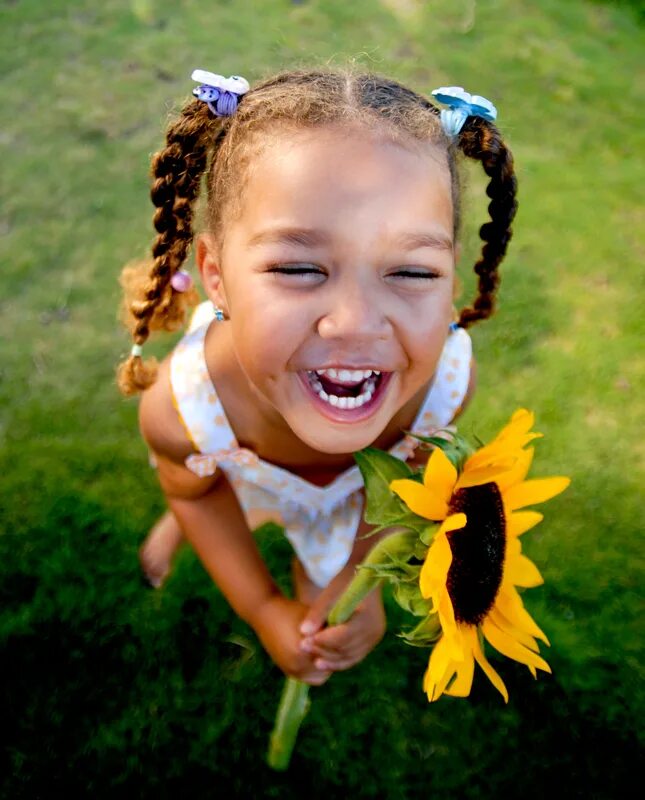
<point x="108" y="687"/>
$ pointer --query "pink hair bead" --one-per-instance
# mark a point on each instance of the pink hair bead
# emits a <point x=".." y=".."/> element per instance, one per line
<point x="181" y="281"/>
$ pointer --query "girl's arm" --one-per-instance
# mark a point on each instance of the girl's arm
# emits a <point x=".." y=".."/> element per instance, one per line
<point x="211" y="519"/>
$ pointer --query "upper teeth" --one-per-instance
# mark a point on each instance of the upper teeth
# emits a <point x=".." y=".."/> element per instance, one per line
<point x="347" y="375"/>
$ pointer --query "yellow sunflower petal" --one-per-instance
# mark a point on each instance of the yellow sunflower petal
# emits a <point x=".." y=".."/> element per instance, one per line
<point x="453" y="523"/>
<point x="521" y="571"/>
<point x="513" y="548"/>
<point x="463" y="682"/>
<point x="448" y="675"/>
<point x="438" y="665"/>
<point x="491" y="674"/>
<point x="509" y="603"/>
<point x="536" y="491"/>
<point x="440" y="475"/>
<point x="510" y="648"/>
<point x="521" y="521"/>
<point x="418" y="498"/>
<point x="507" y="626"/>
<point x="514" y="435"/>
<point x="518" y="472"/>
<point x="498" y="452"/>
<point x="477" y="477"/>
<point x="449" y="626"/>
<point x="435" y="568"/>
<point x="521" y="421"/>
<point x="439" y="659"/>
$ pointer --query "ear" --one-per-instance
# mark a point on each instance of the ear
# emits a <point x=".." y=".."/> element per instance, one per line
<point x="207" y="258"/>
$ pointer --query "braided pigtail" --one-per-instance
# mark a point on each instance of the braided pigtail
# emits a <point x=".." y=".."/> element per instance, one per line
<point x="150" y="302"/>
<point x="480" y="139"/>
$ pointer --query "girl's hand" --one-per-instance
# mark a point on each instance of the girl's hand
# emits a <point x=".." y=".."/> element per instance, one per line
<point x="277" y="623"/>
<point x="340" y="647"/>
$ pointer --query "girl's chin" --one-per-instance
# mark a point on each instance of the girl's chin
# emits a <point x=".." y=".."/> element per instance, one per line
<point x="335" y="442"/>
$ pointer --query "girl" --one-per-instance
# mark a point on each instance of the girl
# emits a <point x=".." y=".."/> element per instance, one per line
<point x="329" y="260"/>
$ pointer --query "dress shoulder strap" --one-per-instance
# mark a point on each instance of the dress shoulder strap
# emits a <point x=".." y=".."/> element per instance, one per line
<point x="448" y="390"/>
<point x="195" y="398"/>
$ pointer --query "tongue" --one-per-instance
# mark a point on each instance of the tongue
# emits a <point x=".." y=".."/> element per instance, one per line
<point x="340" y="389"/>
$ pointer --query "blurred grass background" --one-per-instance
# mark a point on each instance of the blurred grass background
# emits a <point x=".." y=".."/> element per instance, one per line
<point x="109" y="687"/>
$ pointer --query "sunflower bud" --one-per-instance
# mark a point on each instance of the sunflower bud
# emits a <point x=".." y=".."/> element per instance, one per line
<point x="408" y="596"/>
<point x="425" y="634"/>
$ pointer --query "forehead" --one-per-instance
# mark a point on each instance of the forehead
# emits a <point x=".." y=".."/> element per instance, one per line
<point x="340" y="176"/>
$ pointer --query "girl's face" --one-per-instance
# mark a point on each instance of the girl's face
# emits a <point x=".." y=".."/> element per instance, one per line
<point x="338" y="279"/>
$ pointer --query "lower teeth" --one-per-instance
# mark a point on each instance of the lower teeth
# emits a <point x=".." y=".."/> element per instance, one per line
<point x="344" y="402"/>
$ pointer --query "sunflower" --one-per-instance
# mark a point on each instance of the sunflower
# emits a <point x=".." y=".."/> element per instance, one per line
<point x="475" y="561"/>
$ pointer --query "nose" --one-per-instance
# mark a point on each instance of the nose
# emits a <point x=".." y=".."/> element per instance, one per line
<point x="354" y="312"/>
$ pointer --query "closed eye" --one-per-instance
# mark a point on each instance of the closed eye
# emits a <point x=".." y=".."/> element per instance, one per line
<point x="421" y="274"/>
<point x="297" y="275"/>
<point x="295" y="269"/>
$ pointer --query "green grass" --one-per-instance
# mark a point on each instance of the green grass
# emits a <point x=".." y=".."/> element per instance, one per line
<point x="110" y="687"/>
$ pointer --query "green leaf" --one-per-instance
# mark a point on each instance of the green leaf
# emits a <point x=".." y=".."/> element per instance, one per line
<point x="378" y="469"/>
<point x="456" y="448"/>
<point x="385" y="465"/>
<point x="407" y="519"/>
<point x="428" y="533"/>
<point x="421" y="549"/>
<point x="414" y="522"/>
<point x="435" y="441"/>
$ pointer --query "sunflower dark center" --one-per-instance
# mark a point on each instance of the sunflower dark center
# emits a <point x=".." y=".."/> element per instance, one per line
<point x="475" y="573"/>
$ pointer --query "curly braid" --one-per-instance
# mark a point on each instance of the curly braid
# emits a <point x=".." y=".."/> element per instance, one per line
<point x="482" y="141"/>
<point x="150" y="302"/>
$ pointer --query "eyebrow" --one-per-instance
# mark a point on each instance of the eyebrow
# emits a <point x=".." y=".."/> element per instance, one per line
<point x="299" y="236"/>
<point x="414" y="241"/>
<point x="306" y="237"/>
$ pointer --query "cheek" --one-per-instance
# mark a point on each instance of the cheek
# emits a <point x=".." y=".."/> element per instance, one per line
<point x="427" y="336"/>
<point x="265" y="334"/>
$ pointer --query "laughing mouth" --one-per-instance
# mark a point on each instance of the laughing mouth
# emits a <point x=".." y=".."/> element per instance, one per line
<point x="345" y="388"/>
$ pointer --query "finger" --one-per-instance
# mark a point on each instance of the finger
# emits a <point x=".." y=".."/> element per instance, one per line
<point x="337" y="666"/>
<point x="317" y="678"/>
<point x="307" y="645"/>
<point x="337" y="637"/>
<point x="331" y="655"/>
<point x="315" y="618"/>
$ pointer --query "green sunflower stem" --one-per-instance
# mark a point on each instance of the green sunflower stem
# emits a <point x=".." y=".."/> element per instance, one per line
<point x="295" y="703"/>
<point x="293" y="708"/>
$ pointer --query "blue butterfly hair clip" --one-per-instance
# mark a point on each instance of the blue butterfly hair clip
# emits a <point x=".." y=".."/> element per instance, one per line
<point x="462" y="105"/>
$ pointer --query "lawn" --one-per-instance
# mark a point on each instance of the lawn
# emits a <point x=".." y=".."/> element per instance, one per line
<point x="110" y="688"/>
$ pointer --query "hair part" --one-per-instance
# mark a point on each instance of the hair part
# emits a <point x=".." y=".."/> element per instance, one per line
<point x="223" y="149"/>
